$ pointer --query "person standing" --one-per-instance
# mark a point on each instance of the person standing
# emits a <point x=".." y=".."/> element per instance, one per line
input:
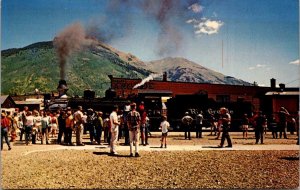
<point x="78" y="115"/>
<point x="38" y="123"/>
<point x="225" y="121"/>
<point x="45" y="122"/>
<point x="91" y="120"/>
<point x="99" y="126"/>
<point x="125" y="129"/>
<point x="28" y="126"/>
<point x="260" y="121"/>
<point x="61" y="126"/>
<point x="133" y="122"/>
<point x="245" y="126"/>
<point x="144" y="132"/>
<point x="69" y="128"/>
<point x="15" y="127"/>
<point x="164" y="126"/>
<point x="54" y="124"/>
<point x="5" y="124"/>
<point x="23" y="119"/>
<point x="199" y="121"/>
<point x="114" y="130"/>
<point x="283" y="114"/>
<point x="187" y="122"/>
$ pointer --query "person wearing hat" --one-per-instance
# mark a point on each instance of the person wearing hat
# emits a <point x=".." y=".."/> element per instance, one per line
<point x="225" y="121"/>
<point x="199" y="121"/>
<point x="114" y="130"/>
<point x="187" y="123"/>
<point x="78" y="115"/>
<point x="5" y="124"/>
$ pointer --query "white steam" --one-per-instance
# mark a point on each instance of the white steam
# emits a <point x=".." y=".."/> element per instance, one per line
<point x="147" y="79"/>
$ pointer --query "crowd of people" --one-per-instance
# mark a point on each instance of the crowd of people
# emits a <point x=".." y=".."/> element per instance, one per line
<point x="130" y="123"/>
<point x="221" y="123"/>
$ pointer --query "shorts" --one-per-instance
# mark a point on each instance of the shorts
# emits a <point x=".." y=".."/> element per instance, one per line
<point x="164" y="134"/>
<point x="244" y="127"/>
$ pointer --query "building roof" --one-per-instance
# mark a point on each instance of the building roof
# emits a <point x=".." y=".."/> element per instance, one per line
<point x="3" y="98"/>
<point x="284" y="93"/>
<point x="27" y="102"/>
<point x="142" y="91"/>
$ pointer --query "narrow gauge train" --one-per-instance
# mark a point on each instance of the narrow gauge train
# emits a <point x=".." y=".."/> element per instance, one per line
<point x="174" y="108"/>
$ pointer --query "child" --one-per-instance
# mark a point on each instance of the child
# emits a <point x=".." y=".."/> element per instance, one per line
<point x="164" y="126"/>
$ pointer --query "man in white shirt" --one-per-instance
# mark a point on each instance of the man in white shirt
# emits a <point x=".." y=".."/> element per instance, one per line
<point x="199" y="121"/>
<point x="78" y="115"/>
<point x="114" y="123"/>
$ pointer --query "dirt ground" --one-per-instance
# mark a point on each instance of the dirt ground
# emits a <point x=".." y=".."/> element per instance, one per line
<point x="46" y="166"/>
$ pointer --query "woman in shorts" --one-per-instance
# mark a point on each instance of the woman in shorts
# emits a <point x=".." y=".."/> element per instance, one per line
<point x="245" y="126"/>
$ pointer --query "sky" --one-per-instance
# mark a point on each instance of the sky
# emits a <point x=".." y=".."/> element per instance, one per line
<point x="252" y="40"/>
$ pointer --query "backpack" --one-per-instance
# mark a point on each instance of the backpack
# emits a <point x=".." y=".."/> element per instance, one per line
<point x="134" y="119"/>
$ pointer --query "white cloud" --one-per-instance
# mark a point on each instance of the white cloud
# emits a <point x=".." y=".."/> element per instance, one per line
<point x="206" y="26"/>
<point x="196" y="8"/>
<point x="191" y="21"/>
<point x="259" y="66"/>
<point x="296" y="62"/>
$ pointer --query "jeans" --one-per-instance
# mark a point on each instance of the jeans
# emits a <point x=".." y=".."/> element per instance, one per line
<point x="259" y="134"/>
<point x="98" y="134"/>
<point x="199" y="131"/>
<point x="187" y="132"/>
<point x="68" y="135"/>
<point x="225" y="135"/>
<point x="134" y="138"/>
<point x="4" y="134"/>
<point x="28" y="130"/>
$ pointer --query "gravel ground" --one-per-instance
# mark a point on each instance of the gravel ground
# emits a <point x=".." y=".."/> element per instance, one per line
<point x="153" y="170"/>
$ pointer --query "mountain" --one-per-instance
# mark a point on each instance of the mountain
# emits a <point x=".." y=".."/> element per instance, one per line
<point x="23" y="70"/>
<point x="36" y="67"/>
<point x="180" y="69"/>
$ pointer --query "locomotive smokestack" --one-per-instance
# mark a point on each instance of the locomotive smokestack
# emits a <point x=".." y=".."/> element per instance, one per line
<point x="62" y="88"/>
<point x="165" y="76"/>
<point x="273" y="83"/>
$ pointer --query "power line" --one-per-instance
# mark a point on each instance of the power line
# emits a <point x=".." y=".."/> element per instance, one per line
<point x="293" y="81"/>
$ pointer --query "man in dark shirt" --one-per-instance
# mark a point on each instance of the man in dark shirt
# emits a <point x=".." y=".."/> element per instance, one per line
<point x="260" y="121"/>
<point x="187" y="122"/>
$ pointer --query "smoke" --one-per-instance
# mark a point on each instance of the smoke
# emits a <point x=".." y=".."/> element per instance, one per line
<point x="168" y="15"/>
<point x="169" y="38"/>
<point x="147" y="79"/>
<point x="71" y="39"/>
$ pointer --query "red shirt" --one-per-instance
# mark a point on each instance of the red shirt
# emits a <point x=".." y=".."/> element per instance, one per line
<point x="5" y="122"/>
